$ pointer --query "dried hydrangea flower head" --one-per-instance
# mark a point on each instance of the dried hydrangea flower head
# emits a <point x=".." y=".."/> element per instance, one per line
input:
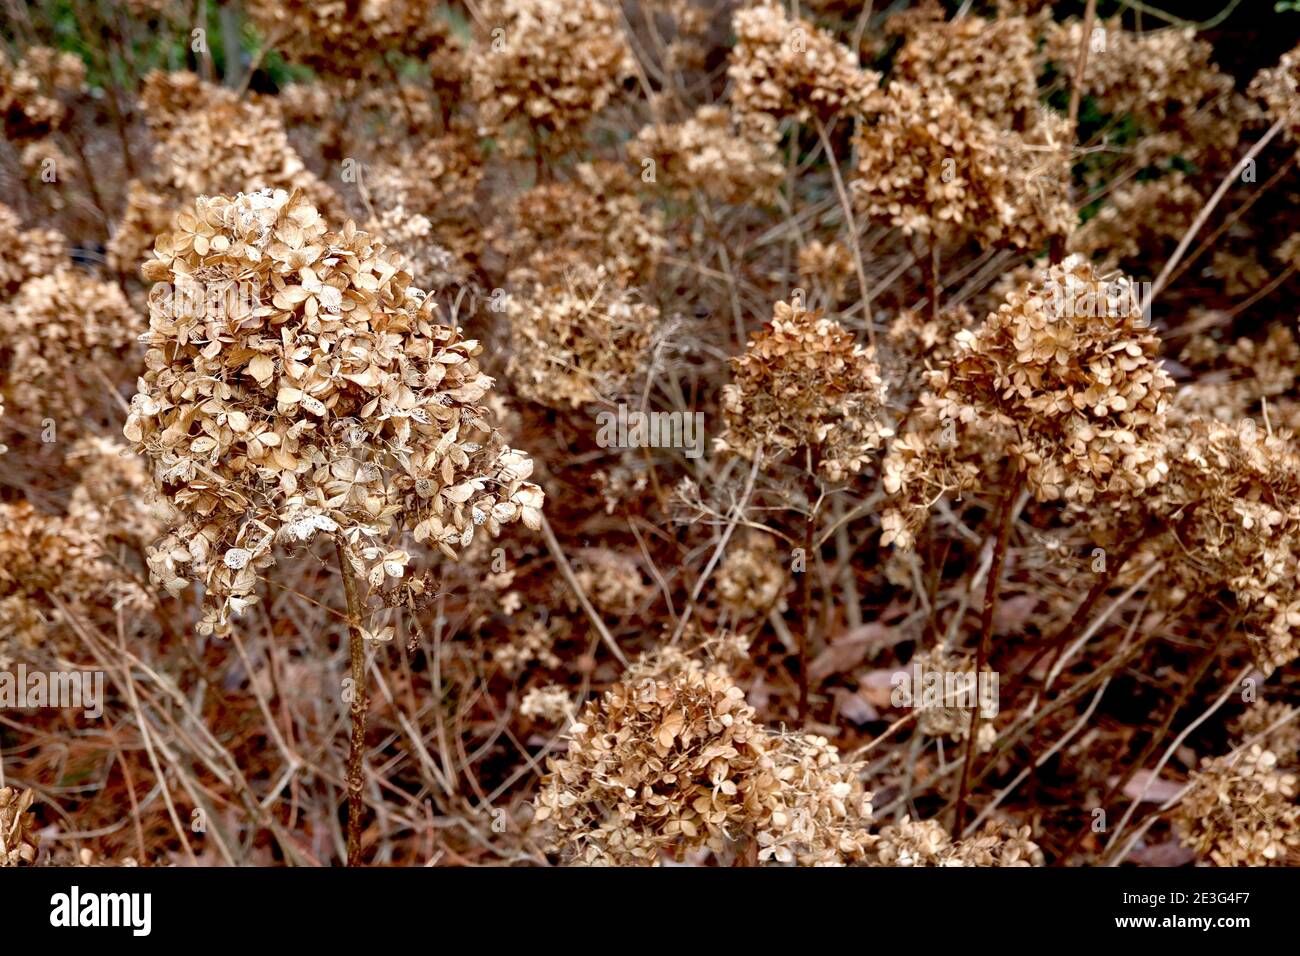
<point x="927" y="843"/>
<point x="346" y="40"/>
<point x="557" y="228"/>
<point x="26" y="253"/>
<point x="1165" y="80"/>
<point x="207" y="141"/>
<point x="816" y="812"/>
<point x="828" y="265"/>
<point x="752" y="577"/>
<point x="1279" y="88"/>
<point x="930" y="166"/>
<point x="423" y="202"/>
<point x="938" y="715"/>
<point x="312" y="388"/>
<point x="1233" y="496"/>
<point x="654" y="765"/>
<point x="116" y="499"/>
<point x="19" y="838"/>
<point x="32" y="91"/>
<point x="1140" y="221"/>
<point x="933" y="457"/>
<point x="581" y="340"/>
<point x="545" y="68"/>
<point x="64" y="338"/>
<point x="1241" y="810"/>
<point x="988" y="63"/>
<point x="803" y="382"/>
<point x="782" y="67"/>
<point x="1070" y="360"/>
<point x="671" y="760"/>
<point x="706" y="153"/>
<point x="47" y="561"/>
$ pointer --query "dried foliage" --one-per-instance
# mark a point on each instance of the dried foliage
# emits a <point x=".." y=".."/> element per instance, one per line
<point x="333" y="399"/>
<point x="805" y="385"/>
<point x="938" y="338"/>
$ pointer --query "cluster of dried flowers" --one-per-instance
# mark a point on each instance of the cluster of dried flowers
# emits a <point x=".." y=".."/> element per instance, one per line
<point x="782" y="67"/>
<point x="804" y="385"/>
<point x="1242" y="809"/>
<point x="706" y="152"/>
<point x="671" y="760"/>
<point x="1233" y="500"/>
<point x="19" y="841"/>
<point x="323" y="395"/>
<point x="599" y="202"/>
<point x="545" y="68"/>
<point x="66" y="339"/>
<point x="1073" y="365"/>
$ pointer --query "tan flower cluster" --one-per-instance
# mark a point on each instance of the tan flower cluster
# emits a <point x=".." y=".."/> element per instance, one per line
<point x="314" y="390"/>
<point x="551" y="704"/>
<point x="1235" y="377"/>
<point x="937" y="718"/>
<point x="927" y="843"/>
<point x="116" y="499"/>
<point x="1233" y="497"/>
<point x="1070" y="360"/>
<point x="1138" y="220"/>
<point x="988" y="64"/>
<point x="530" y="644"/>
<point x="206" y="141"/>
<point x="547" y="67"/>
<point x="344" y="39"/>
<point x="803" y="382"/>
<point x="782" y="67"/>
<point x="936" y="455"/>
<point x="557" y="228"/>
<point x="818" y="813"/>
<point x="707" y="154"/>
<point x="752" y="577"/>
<point x="47" y="561"/>
<point x="26" y="253"/>
<point x="32" y="91"/>
<point x="1241" y="811"/>
<point x="1259" y="719"/>
<point x="1279" y="88"/>
<point x="209" y="140"/>
<point x="1164" y="79"/>
<point x="675" y="762"/>
<point x="828" y="265"/>
<point x="423" y="201"/>
<point x="19" y="840"/>
<point x="930" y="166"/>
<point x="583" y="339"/>
<point x="611" y="580"/>
<point x="64" y="339"/>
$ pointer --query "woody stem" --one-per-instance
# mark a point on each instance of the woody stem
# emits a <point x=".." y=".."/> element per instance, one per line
<point x="357" y="747"/>
<point x="1005" y="520"/>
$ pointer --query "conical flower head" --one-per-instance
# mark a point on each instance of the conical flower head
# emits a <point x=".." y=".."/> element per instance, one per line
<point x="296" y="382"/>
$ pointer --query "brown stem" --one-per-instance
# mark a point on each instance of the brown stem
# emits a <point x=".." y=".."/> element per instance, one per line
<point x="1081" y="64"/>
<point x="807" y="618"/>
<point x="357" y="748"/>
<point x="933" y="280"/>
<point x="986" y="632"/>
<point x="805" y="632"/>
